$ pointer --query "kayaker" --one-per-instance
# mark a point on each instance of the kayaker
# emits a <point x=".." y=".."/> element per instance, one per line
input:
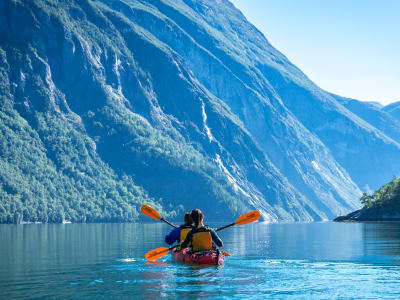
<point x="201" y="237"/>
<point x="179" y="234"/>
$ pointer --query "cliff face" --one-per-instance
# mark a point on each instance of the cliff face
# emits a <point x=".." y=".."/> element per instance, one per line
<point x="377" y="116"/>
<point x="180" y="104"/>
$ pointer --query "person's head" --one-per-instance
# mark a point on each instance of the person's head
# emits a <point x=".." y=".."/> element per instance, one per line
<point x="188" y="218"/>
<point x="197" y="217"/>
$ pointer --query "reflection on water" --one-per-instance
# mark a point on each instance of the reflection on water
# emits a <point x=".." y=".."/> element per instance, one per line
<point x="303" y="260"/>
<point x="382" y="239"/>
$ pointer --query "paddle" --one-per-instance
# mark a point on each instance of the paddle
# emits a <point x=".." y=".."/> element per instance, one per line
<point x="157" y="253"/>
<point x="152" y="213"/>
<point x="225" y="253"/>
<point x="242" y="220"/>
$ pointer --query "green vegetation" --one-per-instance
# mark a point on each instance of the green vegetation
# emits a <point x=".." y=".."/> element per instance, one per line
<point x="52" y="174"/>
<point x="106" y="104"/>
<point x="386" y="198"/>
<point x="69" y="149"/>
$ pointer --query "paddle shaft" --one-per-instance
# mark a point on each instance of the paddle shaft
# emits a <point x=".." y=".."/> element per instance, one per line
<point x="169" y="223"/>
<point x="218" y="229"/>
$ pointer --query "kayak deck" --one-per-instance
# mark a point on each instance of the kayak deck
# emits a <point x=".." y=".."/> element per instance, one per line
<point x="212" y="257"/>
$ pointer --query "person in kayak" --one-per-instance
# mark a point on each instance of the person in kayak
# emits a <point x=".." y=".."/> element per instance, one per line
<point x="201" y="237"/>
<point x="179" y="234"/>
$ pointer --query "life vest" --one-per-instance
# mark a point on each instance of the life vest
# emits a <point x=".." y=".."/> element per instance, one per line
<point x="185" y="229"/>
<point x="201" y="239"/>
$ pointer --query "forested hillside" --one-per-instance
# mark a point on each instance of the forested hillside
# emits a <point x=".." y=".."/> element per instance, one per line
<point x="382" y="205"/>
<point x="106" y="105"/>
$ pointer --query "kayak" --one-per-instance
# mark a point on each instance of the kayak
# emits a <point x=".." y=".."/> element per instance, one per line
<point x="212" y="257"/>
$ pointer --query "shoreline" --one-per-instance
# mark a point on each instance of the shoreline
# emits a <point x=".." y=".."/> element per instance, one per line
<point x="367" y="220"/>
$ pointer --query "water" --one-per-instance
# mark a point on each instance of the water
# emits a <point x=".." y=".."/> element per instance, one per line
<point x="281" y="261"/>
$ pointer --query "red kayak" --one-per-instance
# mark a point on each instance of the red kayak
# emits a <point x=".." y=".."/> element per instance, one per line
<point x="212" y="257"/>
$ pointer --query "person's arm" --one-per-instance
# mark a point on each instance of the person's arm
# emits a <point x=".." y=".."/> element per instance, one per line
<point x="187" y="240"/>
<point x="216" y="239"/>
<point x="173" y="236"/>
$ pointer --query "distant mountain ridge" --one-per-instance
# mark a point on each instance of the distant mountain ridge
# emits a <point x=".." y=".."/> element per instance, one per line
<point x="393" y="109"/>
<point x="179" y="104"/>
<point x="379" y="117"/>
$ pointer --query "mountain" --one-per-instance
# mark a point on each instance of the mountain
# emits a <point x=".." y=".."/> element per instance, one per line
<point x="374" y="103"/>
<point x="180" y="104"/>
<point x="393" y="109"/>
<point x="375" y="115"/>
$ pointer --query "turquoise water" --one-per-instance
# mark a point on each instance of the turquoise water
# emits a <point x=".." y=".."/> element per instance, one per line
<point x="280" y="261"/>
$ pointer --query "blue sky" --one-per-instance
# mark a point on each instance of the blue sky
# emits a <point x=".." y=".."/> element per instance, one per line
<point x="348" y="47"/>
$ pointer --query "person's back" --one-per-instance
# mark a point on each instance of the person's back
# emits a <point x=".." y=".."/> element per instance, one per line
<point x="201" y="237"/>
<point x="179" y="234"/>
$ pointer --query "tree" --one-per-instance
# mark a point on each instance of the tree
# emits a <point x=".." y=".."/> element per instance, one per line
<point x="366" y="199"/>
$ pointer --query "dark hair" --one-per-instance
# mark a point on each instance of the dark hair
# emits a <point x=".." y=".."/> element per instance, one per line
<point x="197" y="217"/>
<point x="188" y="218"/>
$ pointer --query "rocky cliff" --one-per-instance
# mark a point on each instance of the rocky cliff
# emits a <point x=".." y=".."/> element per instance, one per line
<point x="180" y="104"/>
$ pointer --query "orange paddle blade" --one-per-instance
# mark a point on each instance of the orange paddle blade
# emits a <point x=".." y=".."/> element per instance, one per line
<point x="156" y="253"/>
<point x="225" y="253"/>
<point x="150" y="212"/>
<point x="248" y="218"/>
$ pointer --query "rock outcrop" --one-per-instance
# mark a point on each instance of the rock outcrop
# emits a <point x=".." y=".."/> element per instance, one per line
<point x="383" y="205"/>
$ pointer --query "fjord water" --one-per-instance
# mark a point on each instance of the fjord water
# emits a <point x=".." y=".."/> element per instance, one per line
<point x="105" y="261"/>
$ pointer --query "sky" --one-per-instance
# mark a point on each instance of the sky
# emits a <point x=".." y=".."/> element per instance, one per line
<point x="347" y="47"/>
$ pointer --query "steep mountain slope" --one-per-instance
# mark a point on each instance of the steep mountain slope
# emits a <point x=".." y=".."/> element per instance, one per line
<point x="109" y="104"/>
<point x="207" y="51"/>
<point x="61" y="82"/>
<point x="366" y="153"/>
<point x="92" y="97"/>
<point x="374" y="115"/>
